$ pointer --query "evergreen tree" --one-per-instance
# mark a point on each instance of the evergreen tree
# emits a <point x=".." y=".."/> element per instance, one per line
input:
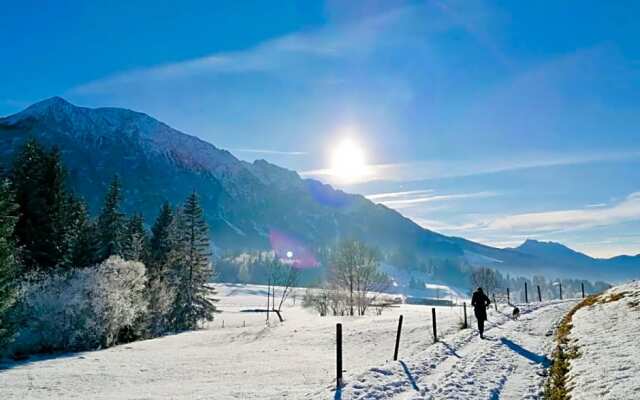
<point x="84" y="242"/>
<point x="136" y="240"/>
<point x="191" y="268"/>
<point x="111" y="223"/>
<point x="162" y="241"/>
<point x="43" y="228"/>
<point x="160" y="291"/>
<point x="8" y="260"/>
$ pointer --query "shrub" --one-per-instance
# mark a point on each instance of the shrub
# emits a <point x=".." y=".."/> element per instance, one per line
<point x="83" y="309"/>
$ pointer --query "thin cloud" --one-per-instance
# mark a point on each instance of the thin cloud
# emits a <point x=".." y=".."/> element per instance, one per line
<point x="411" y="202"/>
<point x="437" y="169"/>
<point x="272" y="56"/>
<point x="400" y="200"/>
<point x="626" y="210"/>
<point x="391" y="195"/>
<point x="353" y="39"/>
<point x="269" y="151"/>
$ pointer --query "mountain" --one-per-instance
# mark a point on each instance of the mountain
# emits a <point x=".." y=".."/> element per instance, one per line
<point x="552" y="253"/>
<point x="244" y="201"/>
<point x="247" y="204"/>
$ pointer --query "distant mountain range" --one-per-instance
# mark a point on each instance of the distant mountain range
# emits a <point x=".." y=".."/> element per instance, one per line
<point x="246" y="202"/>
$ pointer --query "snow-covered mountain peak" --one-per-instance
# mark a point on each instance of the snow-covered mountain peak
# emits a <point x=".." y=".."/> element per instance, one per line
<point x="50" y="106"/>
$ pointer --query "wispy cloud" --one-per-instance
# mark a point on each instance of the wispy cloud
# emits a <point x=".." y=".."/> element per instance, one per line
<point x="596" y="205"/>
<point x="626" y="210"/>
<point x="424" y="170"/>
<point x="269" y="151"/>
<point x="379" y="197"/>
<point x="413" y="199"/>
<point x="273" y="56"/>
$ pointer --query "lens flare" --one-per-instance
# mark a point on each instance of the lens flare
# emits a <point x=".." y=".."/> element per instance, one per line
<point x="291" y="251"/>
<point x="348" y="161"/>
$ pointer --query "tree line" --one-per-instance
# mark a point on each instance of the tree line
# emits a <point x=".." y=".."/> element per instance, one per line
<point x="493" y="282"/>
<point x="49" y="242"/>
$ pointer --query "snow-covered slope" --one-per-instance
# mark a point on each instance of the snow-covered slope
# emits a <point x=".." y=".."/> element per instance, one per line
<point x="607" y="336"/>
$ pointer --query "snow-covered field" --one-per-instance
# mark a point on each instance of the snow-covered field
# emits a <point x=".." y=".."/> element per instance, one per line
<point x="608" y="338"/>
<point x="296" y="359"/>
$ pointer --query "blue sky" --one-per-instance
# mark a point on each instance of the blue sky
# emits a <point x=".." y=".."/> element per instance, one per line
<point x="496" y="121"/>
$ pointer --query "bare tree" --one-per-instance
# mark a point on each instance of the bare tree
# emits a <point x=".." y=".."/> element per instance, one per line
<point x="337" y="301"/>
<point x="285" y="275"/>
<point x="318" y="300"/>
<point x="355" y="270"/>
<point x="485" y="278"/>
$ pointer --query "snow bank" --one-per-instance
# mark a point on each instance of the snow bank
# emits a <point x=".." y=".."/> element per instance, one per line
<point x="607" y="336"/>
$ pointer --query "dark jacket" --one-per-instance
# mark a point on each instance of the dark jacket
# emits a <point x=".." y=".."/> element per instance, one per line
<point x="480" y="302"/>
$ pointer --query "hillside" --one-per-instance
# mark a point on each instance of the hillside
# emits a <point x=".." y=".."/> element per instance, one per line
<point x="246" y="203"/>
<point x="601" y="346"/>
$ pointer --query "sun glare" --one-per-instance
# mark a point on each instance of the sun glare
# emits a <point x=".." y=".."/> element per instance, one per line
<point x="348" y="161"/>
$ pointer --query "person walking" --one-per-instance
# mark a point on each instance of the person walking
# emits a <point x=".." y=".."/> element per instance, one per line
<point x="480" y="302"/>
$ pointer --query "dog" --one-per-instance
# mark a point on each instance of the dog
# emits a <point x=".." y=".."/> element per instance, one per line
<point x="516" y="313"/>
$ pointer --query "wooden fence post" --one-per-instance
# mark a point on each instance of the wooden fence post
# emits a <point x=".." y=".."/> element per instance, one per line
<point x="339" y="355"/>
<point x="435" y="328"/>
<point x="508" y="296"/>
<point x="395" y="353"/>
<point x="539" y="294"/>
<point x="268" y="297"/>
<point x="464" y="305"/>
<point x="582" y="284"/>
<point x="560" y="290"/>
<point x="526" y="293"/>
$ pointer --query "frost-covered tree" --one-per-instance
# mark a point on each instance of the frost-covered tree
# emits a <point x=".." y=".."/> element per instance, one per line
<point x="136" y="240"/>
<point x="83" y="309"/>
<point x="191" y="268"/>
<point x="161" y="298"/>
<point x="8" y="260"/>
<point x="355" y="269"/>
<point x="111" y="223"/>
<point x="486" y="278"/>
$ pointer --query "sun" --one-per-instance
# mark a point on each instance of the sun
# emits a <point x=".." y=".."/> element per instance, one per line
<point x="348" y="161"/>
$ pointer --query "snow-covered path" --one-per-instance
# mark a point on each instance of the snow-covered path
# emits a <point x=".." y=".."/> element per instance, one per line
<point x="509" y="364"/>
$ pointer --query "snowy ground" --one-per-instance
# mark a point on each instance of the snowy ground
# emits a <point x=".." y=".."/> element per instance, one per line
<point x="296" y="359"/>
<point x="509" y="364"/>
<point x="607" y="336"/>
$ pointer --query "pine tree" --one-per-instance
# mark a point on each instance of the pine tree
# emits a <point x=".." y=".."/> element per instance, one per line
<point x="84" y="242"/>
<point x="111" y="223"/>
<point x="8" y="260"/>
<point x="191" y="268"/>
<point x="160" y="291"/>
<point x="136" y="240"/>
<point x="162" y="240"/>
<point x="42" y="230"/>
